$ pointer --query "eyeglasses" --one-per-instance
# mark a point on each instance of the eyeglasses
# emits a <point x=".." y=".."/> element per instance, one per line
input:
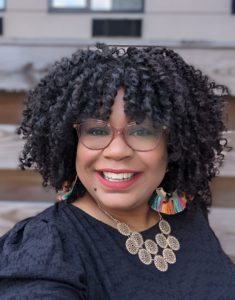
<point x="97" y="134"/>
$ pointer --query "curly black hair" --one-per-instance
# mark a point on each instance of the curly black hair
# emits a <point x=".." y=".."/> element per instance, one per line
<point x="158" y="85"/>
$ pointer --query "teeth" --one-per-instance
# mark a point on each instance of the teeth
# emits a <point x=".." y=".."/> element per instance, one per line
<point x="117" y="176"/>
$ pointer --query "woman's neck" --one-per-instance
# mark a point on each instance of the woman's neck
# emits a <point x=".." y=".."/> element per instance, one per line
<point x="139" y="218"/>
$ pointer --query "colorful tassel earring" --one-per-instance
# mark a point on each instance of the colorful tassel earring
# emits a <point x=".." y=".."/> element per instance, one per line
<point x="169" y="205"/>
<point x="66" y="191"/>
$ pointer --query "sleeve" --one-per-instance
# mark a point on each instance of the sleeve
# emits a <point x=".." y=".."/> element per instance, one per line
<point x="35" y="265"/>
<point x="37" y="289"/>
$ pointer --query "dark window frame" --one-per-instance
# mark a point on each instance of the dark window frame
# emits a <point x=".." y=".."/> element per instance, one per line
<point x="233" y="7"/>
<point x="1" y="26"/>
<point x="4" y="6"/>
<point x="135" y="29"/>
<point x="88" y="10"/>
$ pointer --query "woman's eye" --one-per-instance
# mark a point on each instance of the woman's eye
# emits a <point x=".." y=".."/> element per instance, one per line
<point x="97" y="131"/>
<point x="142" y="132"/>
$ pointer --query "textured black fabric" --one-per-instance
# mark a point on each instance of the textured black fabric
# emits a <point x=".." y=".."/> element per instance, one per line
<point x="64" y="253"/>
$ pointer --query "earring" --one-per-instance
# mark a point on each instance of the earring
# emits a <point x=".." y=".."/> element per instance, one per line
<point x="169" y="204"/>
<point x="66" y="191"/>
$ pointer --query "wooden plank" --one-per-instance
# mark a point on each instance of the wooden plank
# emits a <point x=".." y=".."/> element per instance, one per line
<point x="11" y="145"/>
<point x="222" y="220"/>
<point x="13" y="212"/>
<point x="28" y="64"/>
<point x="223" y="223"/>
<point x="223" y="191"/>
<point x="24" y="186"/>
<point x="15" y="184"/>
<point x="230" y="111"/>
<point x="11" y="106"/>
<point x="218" y="64"/>
<point x="228" y="167"/>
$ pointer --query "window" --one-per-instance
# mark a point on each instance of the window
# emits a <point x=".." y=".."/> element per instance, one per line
<point x="116" y="27"/>
<point x="116" y="5"/>
<point x="97" y="5"/>
<point x="2" y="4"/>
<point x="233" y="7"/>
<point x="1" y="26"/>
<point x="68" y="4"/>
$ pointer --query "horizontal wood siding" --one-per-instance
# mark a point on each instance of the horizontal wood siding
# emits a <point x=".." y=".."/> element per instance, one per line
<point x="11" y="106"/>
<point x="26" y="186"/>
<point x="23" y="186"/>
<point x="230" y="109"/>
<point x="221" y="220"/>
<point x="223" y="191"/>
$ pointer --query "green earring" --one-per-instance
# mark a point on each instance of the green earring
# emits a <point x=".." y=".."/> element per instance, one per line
<point x="66" y="191"/>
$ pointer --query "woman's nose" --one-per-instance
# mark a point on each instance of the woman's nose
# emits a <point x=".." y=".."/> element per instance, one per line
<point x="118" y="148"/>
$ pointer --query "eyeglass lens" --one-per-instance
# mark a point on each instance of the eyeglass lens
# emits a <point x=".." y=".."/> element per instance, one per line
<point x="97" y="134"/>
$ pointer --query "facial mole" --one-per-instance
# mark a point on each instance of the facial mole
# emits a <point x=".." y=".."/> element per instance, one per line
<point x="95" y="189"/>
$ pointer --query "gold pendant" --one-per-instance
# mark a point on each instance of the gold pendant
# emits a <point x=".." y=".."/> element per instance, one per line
<point x="148" y="250"/>
<point x="135" y="244"/>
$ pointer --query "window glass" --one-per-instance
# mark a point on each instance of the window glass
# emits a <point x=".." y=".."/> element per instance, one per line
<point x="117" y="5"/>
<point x="97" y="5"/>
<point x="2" y="4"/>
<point x="69" y="4"/>
<point x="101" y="4"/>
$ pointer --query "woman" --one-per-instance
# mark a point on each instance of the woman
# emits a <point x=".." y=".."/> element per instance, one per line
<point x="132" y="139"/>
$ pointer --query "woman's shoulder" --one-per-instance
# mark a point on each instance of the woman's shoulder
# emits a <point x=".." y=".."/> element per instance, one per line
<point x="36" y="247"/>
<point x="26" y="230"/>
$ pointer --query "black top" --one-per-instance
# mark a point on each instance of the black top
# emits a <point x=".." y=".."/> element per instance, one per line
<point x="64" y="253"/>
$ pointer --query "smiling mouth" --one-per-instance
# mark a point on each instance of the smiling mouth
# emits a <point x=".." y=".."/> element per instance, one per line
<point x="117" y="177"/>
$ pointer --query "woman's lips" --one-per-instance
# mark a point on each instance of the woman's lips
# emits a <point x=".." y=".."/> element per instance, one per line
<point x="121" y="179"/>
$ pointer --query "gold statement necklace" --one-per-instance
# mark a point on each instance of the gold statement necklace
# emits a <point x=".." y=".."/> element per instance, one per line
<point x="160" y="251"/>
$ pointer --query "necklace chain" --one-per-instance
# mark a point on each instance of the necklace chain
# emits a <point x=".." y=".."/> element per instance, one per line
<point x="148" y="250"/>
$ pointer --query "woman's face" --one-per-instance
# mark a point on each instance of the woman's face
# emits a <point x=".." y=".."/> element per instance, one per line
<point x="119" y="158"/>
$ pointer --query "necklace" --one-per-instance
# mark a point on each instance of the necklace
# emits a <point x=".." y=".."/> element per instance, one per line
<point x="160" y="251"/>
